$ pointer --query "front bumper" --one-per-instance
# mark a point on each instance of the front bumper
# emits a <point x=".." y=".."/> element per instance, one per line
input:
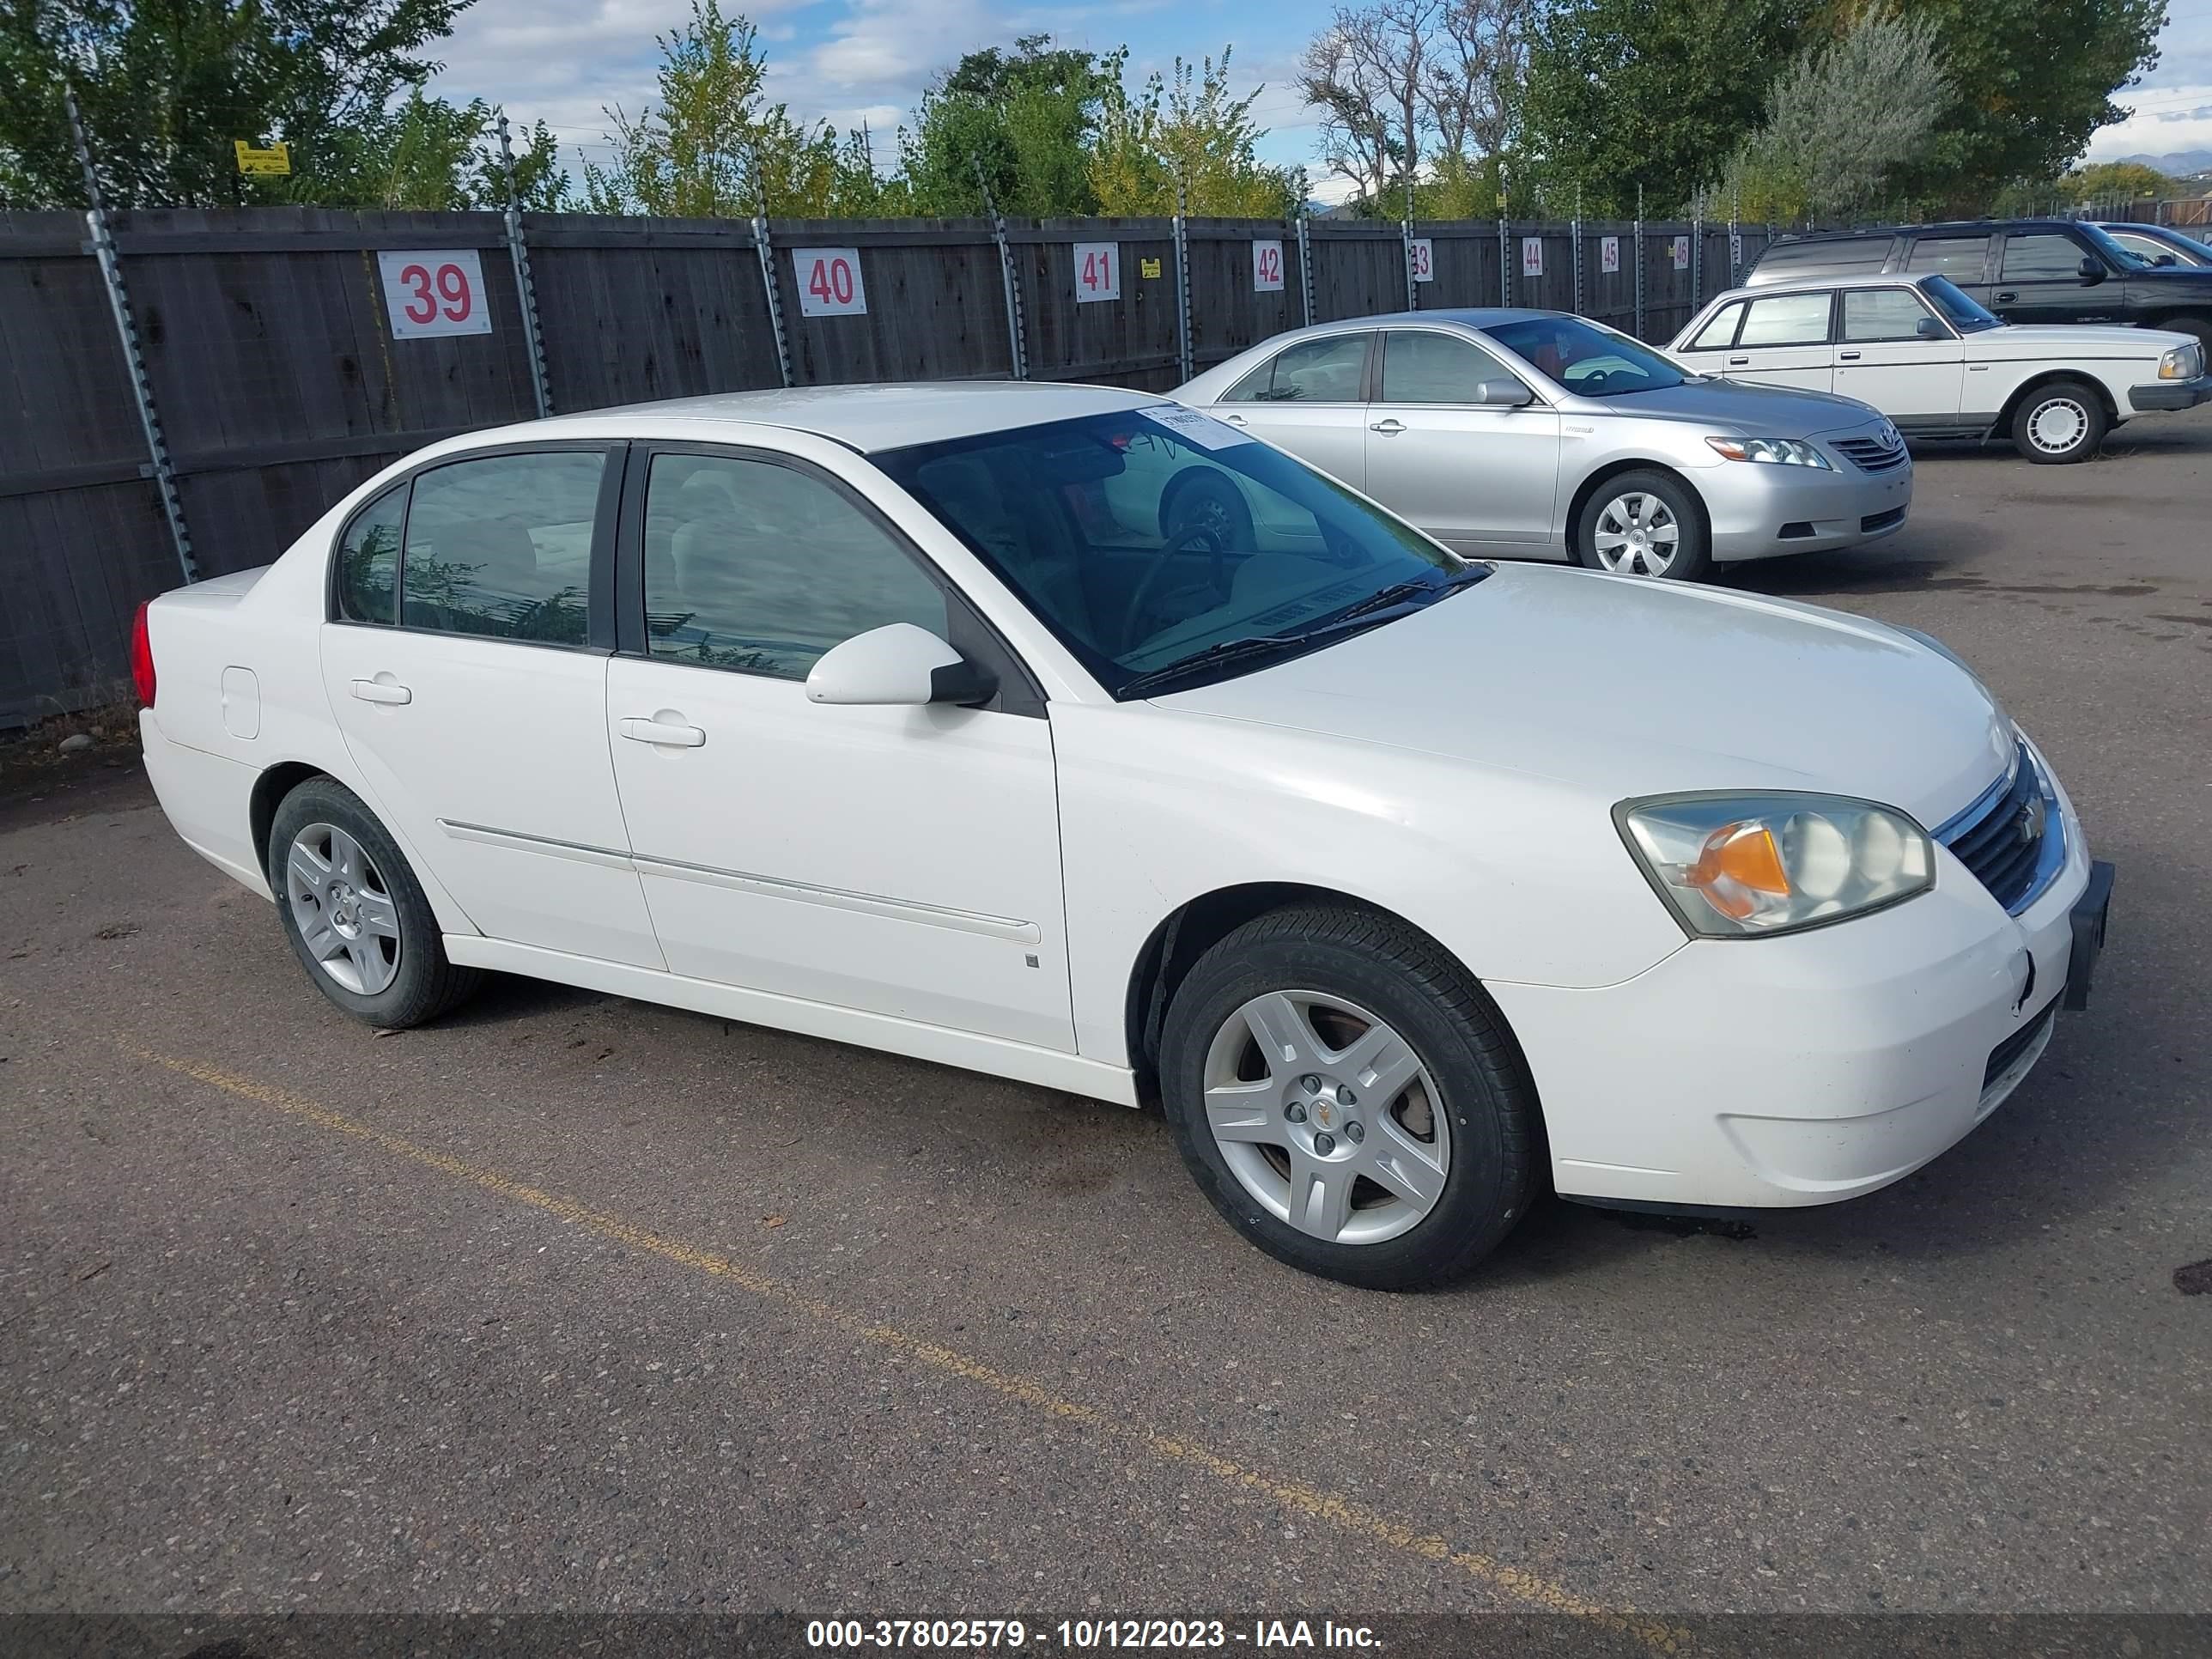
<point x="2171" y="394"/>
<point x="1760" y="1074"/>
<point x="1759" y="511"/>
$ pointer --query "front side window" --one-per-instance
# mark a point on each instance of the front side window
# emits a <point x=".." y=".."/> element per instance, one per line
<point x="2042" y="257"/>
<point x="501" y="546"/>
<point x="1586" y="357"/>
<point x="1422" y="367"/>
<point x="760" y="568"/>
<point x="1786" y="320"/>
<point x="1960" y="258"/>
<point x="1872" y="315"/>
<point x="1325" y="371"/>
<point x="367" y="583"/>
<point x="1148" y="540"/>
<point x="1720" y="332"/>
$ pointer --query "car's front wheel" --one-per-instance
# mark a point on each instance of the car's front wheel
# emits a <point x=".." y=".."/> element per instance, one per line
<point x="353" y="913"/>
<point x="2059" y="423"/>
<point x="1348" y="1100"/>
<point x="1643" y="524"/>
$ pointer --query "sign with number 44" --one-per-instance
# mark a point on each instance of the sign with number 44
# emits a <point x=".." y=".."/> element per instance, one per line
<point x="427" y="295"/>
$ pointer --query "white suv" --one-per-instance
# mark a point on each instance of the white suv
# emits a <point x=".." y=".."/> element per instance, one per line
<point x="1926" y="355"/>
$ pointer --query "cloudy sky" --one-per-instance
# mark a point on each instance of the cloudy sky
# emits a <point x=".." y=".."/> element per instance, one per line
<point x="850" y="60"/>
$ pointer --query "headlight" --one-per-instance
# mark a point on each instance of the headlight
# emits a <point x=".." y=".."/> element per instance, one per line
<point x="1780" y="451"/>
<point x="2182" y="363"/>
<point x="1736" y="866"/>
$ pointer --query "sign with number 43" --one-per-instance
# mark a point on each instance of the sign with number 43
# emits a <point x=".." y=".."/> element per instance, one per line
<point x="430" y="294"/>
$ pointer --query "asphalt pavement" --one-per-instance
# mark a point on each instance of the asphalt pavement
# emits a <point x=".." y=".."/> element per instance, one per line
<point x="573" y="1302"/>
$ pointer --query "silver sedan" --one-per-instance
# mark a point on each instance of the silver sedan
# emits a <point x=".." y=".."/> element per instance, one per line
<point x="1541" y="435"/>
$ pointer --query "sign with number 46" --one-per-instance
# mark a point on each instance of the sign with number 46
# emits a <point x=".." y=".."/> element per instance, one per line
<point x="427" y="294"/>
<point x="829" y="282"/>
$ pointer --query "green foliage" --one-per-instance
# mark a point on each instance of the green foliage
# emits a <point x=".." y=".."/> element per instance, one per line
<point x="2116" y="181"/>
<point x="1026" y="115"/>
<point x="1655" y="92"/>
<point x="166" y="86"/>
<point x="428" y="155"/>
<point x="1191" y="130"/>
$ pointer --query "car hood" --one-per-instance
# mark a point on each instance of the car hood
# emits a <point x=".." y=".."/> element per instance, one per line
<point x="2065" y="340"/>
<point x="1617" y="687"/>
<point x="1759" y="411"/>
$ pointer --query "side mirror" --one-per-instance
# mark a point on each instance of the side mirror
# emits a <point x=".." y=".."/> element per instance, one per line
<point x="1927" y="328"/>
<point x="2093" y="270"/>
<point x="899" y="663"/>
<point x="2168" y="259"/>
<point x="1504" y="394"/>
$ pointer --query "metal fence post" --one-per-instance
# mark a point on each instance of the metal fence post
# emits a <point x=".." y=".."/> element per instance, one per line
<point x="1305" y="265"/>
<point x="1575" y="230"/>
<point x="1019" y="344"/>
<point x="1504" y="258"/>
<point x="1735" y="239"/>
<point x="1183" y="283"/>
<point x="1696" y="259"/>
<point x="1406" y="235"/>
<point x="765" y="247"/>
<point x="526" y="290"/>
<point x="126" y="330"/>
<point x="1640" y="262"/>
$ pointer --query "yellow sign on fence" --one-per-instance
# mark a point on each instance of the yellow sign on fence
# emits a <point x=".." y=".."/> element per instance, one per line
<point x="277" y="159"/>
<point x="1149" y="267"/>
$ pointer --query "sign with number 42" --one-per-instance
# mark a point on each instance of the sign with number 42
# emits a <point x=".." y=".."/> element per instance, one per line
<point x="829" y="282"/>
<point x="427" y="295"/>
<point x="1266" y="267"/>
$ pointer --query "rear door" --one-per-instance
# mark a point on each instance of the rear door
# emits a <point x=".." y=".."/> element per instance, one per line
<point x="1310" y="398"/>
<point x="1784" y="340"/>
<point x="466" y="664"/>
<point x="1964" y="259"/>
<point x="1893" y="352"/>
<point x="1473" y="476"/>
<point x="2039" y="280"/>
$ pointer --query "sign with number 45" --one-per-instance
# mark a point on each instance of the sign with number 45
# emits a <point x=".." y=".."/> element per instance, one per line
<point x="427" y="295"/>
<point x="829" y="282"/>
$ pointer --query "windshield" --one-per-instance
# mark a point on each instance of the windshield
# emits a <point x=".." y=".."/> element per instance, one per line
<point x="1148" y="538"/>
<point x="1965" y="313"/>
<point x="1586" y="357"/>
<point x="2111" y="249"/>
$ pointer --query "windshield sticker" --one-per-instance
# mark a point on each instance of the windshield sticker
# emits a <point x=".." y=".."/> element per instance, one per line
<point x="1192" y="427"/>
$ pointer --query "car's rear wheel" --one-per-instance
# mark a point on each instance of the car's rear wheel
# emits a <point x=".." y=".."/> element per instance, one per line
<point x="353" y="913"/>
<point x="1348" y="1100"/>
<point x="2059" y="423"/>
<point x="1643" y="524"/>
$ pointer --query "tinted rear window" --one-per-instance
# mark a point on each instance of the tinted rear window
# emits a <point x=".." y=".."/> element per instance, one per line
<point x="1852" y="253"/>
<point x="1958" y="257"/>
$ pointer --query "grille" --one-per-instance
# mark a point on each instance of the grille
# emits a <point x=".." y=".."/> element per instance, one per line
<point x="1882" y="520"/>
<point x="2002" y="844"/>
<point x="1871" y="454"/>
<point x="2003" y="1057"/>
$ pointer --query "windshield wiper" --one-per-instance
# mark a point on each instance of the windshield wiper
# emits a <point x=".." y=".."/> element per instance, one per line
<point x="1401" y="592"/>
<point x="1254" y="644"/>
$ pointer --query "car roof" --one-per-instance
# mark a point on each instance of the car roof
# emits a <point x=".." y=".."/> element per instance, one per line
<point x="868" y="418"/>
<point x="1947" y="227"/>
<point x="1814" y="278"/>
<point x="1466" y="316"/>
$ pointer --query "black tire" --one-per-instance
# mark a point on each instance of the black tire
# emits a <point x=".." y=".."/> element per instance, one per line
<point x="1693" y="556"/>
<point x="1206" y="501"/>
<point x="2199" y="327"/>
<point x="1408" y="982"/>
<point x="2075" y="407"/>
<point x="424" y="984"/>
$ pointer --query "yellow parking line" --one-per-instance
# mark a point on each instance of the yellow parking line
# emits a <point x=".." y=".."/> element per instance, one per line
<point x="1342" y="1513"/>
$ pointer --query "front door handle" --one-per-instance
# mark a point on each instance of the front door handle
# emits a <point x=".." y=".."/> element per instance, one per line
<point x="381" y="691"/>
<point x="1847" y="357"/>
<point x="666" y="734"/>
<point x="1388" y="428"/>
<point x="1234" y="420"/>
<point x="2007" y="296"/>
<point x="1739" y="362"/>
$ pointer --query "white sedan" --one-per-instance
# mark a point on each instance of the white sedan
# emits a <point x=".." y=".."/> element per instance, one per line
<point x="907" y="716"/>
<point x="1920" y="350"/>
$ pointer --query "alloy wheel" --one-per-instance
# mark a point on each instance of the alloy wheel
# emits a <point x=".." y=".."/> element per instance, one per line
<point x="2057" y="425"/>
<point x="345" y="913"/>
<point x="1327" y="1117"/>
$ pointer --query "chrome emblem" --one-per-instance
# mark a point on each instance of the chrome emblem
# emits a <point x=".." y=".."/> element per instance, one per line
<point x="1888" y="436"/>
<point x="2029" y="822"/>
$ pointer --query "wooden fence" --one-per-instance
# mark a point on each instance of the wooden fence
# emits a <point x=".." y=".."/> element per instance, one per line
<point x="266" y="341"/>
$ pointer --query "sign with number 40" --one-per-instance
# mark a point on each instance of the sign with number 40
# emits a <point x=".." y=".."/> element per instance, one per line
<point x="829" y="282"/>
<point x="429" y="294"/>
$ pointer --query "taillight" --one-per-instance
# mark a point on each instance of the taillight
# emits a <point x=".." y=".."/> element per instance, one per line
<point x="142" y="659"/>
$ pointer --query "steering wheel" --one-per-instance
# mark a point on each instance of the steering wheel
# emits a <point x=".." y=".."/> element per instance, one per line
<point x="1206" y="515"/>
<point x="1197" y="538"/>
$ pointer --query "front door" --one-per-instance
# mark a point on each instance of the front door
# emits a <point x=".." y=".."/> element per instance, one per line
<point x="1784" y="340"/>
<point x="463" y="672"/>
<point x="1309" y="399"/>
<point x="1473" y="476"/>
<point x="897" y="861"/>
<point x="1896" y="354"/>
<point x="2039" y="280"/>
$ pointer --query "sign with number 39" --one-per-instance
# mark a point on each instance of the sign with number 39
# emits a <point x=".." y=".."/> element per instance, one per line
<point x="430" y="294"/>
<point x="829" y="282"/>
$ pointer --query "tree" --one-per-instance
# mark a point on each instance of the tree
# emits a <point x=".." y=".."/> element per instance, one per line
<point x="1026" y="117"/>
<point x="1189" y="130"/>
<point x="1476" y="69"/>
<point x="2033" y="79"/>
<point x="1368" y="73"/>
<point x="715" y="146"/>
<point x="166" y="86"/>
<point x="428" y="155"/>
<point x="1655" y="92"/>
<point x="2116" y="181"/>
<point x="1843" y="123"/>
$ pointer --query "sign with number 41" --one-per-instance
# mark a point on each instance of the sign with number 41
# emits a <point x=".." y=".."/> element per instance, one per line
<point x="430" y="294"/>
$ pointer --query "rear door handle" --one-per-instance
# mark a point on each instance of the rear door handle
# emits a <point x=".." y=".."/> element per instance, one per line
<point x="2007" y="296"/>
<point x="667" y="735"/>
<point x="1847" y="357"/>
<point x="1388" y="428"/>
<point x="381" y="691"/>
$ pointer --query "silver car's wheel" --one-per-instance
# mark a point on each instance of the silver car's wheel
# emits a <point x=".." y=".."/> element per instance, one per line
<point x="1327" y="1117"/>
<point x="1637" y="535"/>
<point x="347" y="917"/>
